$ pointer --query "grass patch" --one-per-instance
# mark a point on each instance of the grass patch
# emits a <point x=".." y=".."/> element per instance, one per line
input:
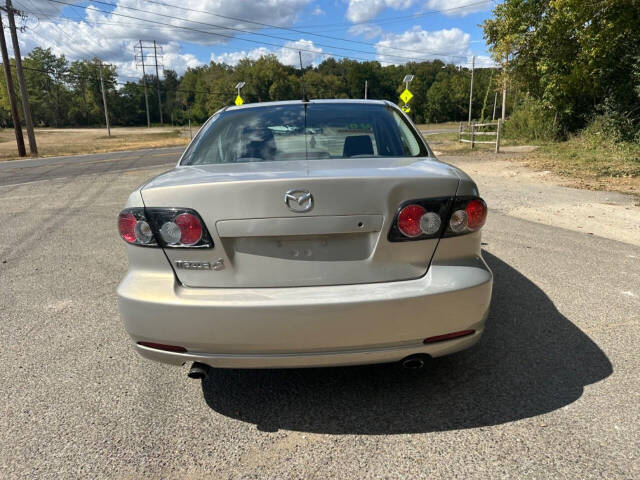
<point x="593" y="163"/>
<point x="448" y="144"/>
<point x="73" y="141"/>
<point x="438" y="126"/>
<point x="583" y="157"/>
<point x="589" y="160"/>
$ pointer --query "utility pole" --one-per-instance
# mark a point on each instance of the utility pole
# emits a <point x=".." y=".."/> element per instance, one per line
<point x="504" y="89"/>
<point x="155" y="54"/>
<point x="407" y="80"/>
<point x="366" y="87"/>
<point x="495" y="100"/>
<point x="104" y="99"/>
<point x="24" y="95"/>
<point x="473" y="67"/>
<point x="144" y="80"/>
<point x="15" y="116"/>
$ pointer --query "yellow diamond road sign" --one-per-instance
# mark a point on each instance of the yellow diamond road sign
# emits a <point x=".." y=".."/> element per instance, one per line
<point x="239" y="100"/>
<point x="406" y="95"/>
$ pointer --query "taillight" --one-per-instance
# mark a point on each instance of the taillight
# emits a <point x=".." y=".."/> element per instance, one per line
<point x="190" y="228"/>
<point x="135" y="229"/>
<point x="409" y="220"/>
<point x="476" y="213"/>
<point x="126" y="225"/>
<point x="414" y="220"/>
<point x="167" y="227"/>
<point x="467" y="215"/>
<point x="420" y="220"/>
<point x="431" y="218"/>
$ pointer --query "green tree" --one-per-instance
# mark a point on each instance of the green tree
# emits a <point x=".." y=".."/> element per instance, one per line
<point x="576" y="57"/>
<point x="46" y="79"/>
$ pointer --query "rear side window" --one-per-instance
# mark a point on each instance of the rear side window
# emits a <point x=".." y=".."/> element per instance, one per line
<point x="410" y="143"/>
<point x="299" y="132"/>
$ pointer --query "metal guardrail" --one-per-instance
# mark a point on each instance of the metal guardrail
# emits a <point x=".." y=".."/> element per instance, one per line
<point x="472" y="130"/>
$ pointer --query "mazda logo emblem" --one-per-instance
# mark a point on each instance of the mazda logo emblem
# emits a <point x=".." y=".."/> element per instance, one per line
<point x="298" y="200"/>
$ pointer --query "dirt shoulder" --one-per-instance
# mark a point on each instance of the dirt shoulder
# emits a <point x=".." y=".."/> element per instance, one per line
<point x="512" y="187"/>
<point x="73" y="141"/>
<point x="572" y="163"/>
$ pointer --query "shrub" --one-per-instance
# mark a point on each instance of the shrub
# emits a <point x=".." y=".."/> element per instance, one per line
<point x="611" y="124"/>
<point x="531" y="121"/>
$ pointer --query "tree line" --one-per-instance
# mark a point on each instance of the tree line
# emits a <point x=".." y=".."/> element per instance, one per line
<point x="577" y="62"/>
<point x="67" y="94"/>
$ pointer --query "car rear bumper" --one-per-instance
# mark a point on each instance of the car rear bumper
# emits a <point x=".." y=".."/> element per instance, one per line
<point x="306" y="326"/>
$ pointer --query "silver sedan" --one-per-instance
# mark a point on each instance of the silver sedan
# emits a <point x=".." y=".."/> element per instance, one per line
<point x="305" y="234"/>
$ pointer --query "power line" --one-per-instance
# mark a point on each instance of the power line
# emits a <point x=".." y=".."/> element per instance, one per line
<point x="395" y="19"/>
<point x="61" y="30"/>
<point x="88" y="7"/>
<point x="58" y="27"/>
<point x="334" y="24"/>
<point x="303" y="32"/>
<point x="211" y="33"/>
<point x="162" y="24"/>
<point x="40" y="15"/>
<point x="266" y="25"/>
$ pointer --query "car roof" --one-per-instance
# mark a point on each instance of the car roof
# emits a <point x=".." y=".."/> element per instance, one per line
<point x="343" y="101"/>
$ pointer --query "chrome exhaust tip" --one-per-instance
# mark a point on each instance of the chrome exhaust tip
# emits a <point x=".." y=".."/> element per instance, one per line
<point x="199" y="371"/>
<point x="413" y="362"/>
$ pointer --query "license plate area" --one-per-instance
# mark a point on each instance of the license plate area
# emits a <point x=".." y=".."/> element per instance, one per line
<point x="323" y="248"/>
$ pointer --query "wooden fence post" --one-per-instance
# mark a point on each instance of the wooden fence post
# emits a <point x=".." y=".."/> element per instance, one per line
<point x="460" y="132"/>
<point x="473" y="135"/>
<point x="498" y="135"/>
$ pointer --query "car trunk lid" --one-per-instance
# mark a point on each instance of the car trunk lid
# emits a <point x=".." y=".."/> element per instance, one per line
<point x="260" y="241"/>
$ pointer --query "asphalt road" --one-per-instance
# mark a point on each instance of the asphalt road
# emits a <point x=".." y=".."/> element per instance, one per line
<point x="38" y="169"/>
<point x="551" y="391"/>
<point x="437" y="131"/>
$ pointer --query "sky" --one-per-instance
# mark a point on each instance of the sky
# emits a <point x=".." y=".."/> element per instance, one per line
<point x="196" y="32"/>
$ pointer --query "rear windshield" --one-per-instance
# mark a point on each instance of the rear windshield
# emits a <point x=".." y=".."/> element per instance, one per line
<point x="298" y="132"/>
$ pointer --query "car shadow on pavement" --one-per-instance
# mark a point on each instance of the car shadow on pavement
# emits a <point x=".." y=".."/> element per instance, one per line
<point x="531" y="360"/>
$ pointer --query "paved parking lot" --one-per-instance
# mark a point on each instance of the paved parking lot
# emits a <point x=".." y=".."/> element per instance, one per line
<point x="552" y="390"/>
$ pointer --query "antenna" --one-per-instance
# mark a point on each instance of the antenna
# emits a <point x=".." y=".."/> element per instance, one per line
<point x="304" y="89"/>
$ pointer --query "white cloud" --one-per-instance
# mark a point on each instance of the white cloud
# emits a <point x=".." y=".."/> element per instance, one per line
<point x="111" y="37"/>
<point x="482" y="61"/>
<point x="318" y="11"/>
<point x="448" y="45"/>
<point x="232" y="58"/>
<point x="365" y="10"/>
<point x="77" y="40"/>
<point x="454" y="8"/>
<point x="311" y="54"/>
<point x="289" y="56"/>
<point x="368" y="31"/>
